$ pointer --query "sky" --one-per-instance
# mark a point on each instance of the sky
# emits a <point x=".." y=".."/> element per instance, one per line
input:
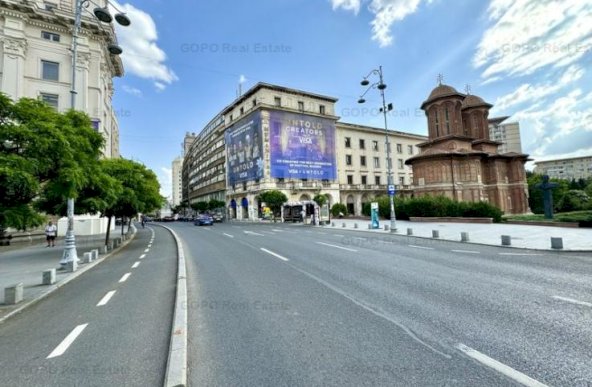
<point x="184" y="61"/>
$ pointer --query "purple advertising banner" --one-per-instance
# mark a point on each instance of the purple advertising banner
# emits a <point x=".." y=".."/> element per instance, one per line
<point x="244" y="150"/>
<point x="302" y="146"/>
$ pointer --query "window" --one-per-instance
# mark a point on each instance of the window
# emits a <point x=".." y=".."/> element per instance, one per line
<point x="348" y="160"/>
<point x="364" y="179"/>
<point x="350" y="179"/>
<point x="50" y="70"/>
<point x="322" y="109"/>
<point x="399" y="148"/>
<point x="389" y="162"/>
<point x="400" y="161"/>
<point x="244" y="185"/>
<point x="242" y="110"/>
<point x="402" y="180"/>
<point x="377" y="180"/>
<point x="50" y="99"/>
<point x="362" y="143"/>
<point x="410" y="149"/>
<point x="277" y="101"/>
<point x="280" y="180"/>
<point x="301" y="106"/>
<point x="363" y="161"/>
<point x="50" y="36"/>
<point x="254" y="102"/>
<point x="447" y="122"/>
<point x="348" y="142"/>
<point x="50" y="6"/>
<point x="231" y="118"/>
<point x="376" y="162"/>
<point x="375" y="145"/>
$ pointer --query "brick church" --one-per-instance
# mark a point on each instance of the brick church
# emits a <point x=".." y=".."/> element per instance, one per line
<point x="460" y="161"/>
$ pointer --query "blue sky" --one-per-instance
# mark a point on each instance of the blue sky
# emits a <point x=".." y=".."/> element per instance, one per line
<point x="185" y="59"/>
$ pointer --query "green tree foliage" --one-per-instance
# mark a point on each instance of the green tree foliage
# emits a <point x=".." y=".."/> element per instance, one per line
<point x="574" y="200"/>
<point x="214" y="204"/>
<point x="320" y="199"/>
<point x="273" y="199"/>
<point x="200" y="206"/>
<point x="338" y="208"/>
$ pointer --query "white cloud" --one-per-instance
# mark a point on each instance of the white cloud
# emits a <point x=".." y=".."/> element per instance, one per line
<point x="386" y="13"/>
<point x="132" y="90"/>
<point x="527" y="35"/>
<point x="141" y="54"/>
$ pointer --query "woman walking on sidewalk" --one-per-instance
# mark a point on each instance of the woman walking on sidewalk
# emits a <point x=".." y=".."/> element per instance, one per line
<point x="50" y="234"/>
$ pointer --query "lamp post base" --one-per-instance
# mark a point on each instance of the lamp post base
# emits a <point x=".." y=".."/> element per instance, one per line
<point x="70" y="254"/>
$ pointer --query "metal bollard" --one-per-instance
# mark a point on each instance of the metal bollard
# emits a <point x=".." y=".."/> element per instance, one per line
<point x="464" y="236"/>
<point x="506" y="240"/>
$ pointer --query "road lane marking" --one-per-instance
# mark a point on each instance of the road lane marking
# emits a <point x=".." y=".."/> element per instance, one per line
<point x="136" y="264"/>
<point x="421" y="247"/>
<point x="321" y="232"/>
<point x="337" y="247"/>
<point x="125" y="277"/>
<point x="500" y="367"/>
<point x="228" y="235"/>
<point x="466" y="251"/>
<point x="275" y="229"/>
<point x="522" y="254"/>
<point x="275" y="255"/>
<point x="63" y="346"/>
<point x="147" y="250"/>
<point x="142" y="256"/>
<point x="106" y="298"/>
<point x="253" y="233"/>
<point x="150" y="245"/>
<point x="572" y="301"/>
<point x="338" y="235"/>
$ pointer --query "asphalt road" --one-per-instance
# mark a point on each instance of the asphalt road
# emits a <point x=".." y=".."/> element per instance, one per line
<point x="105" y="328"/>
<point x="282" y="305"/>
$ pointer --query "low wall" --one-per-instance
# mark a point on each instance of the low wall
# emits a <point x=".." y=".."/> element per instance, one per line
<point x="543" y="223"/>
<point x="449" y="219"/>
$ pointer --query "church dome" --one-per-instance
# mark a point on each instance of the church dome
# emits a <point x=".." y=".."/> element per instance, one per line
<point x="473" y="101"/>
<point x="442" y="91"/>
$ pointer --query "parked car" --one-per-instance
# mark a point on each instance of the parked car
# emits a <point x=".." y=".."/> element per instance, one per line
<point x="218" y="217"/>
<point x="204" y="220"/>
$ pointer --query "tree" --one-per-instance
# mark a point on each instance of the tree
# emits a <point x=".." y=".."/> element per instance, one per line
<point x="139" y="190"/>
<point x="273" y="199"/>
<point x="214" y="204"/>
<point x="320" y="199"/>
<point x="338" y="208"/>
<point x="200" y="206"/>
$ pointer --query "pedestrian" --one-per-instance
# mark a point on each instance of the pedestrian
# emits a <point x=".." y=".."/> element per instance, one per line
<point x="50" y="234"/>
<point x="143" y="218"/>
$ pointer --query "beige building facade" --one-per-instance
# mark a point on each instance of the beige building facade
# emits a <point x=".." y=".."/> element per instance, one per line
<point x="176" y="174"/>
<point x="506" y="133"/>
<point x="568" y="168"/>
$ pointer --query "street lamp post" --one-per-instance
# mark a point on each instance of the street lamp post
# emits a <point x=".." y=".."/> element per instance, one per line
<point x="70" y="256"/>
<point x="380" y="85"/>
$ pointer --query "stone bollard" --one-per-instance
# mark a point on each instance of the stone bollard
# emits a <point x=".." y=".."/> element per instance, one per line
<point x="369" y="226"/>
<point x="556" y="243"/>
<point x="117" y="242"/>
<point x="105" y="249"/>
<point x="506" y="240"/>
<point x="343" y="224"/>
<point x="355" y="225"/>
<point x="409" y="231"/>
<point x="13" y="294"/>
<point x="464" y="236"/>
<point x="71" y="266"/>
<point x="110" y="245"/>
<point x="48" y="277"/>
<point x="435" y="234"/>
<point x="95" y="254"/>
<point x="386" y="227"/>
<point x="332" y="224"/>
<point x="87" y="257"/>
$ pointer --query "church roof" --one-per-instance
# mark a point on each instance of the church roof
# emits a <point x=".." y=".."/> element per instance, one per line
<point x="442" y="90"/>
<point x="474" y="101"/>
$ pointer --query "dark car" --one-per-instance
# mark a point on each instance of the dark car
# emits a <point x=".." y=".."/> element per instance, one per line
<point x="204" y="220"/>
<point x="218" y="217"/>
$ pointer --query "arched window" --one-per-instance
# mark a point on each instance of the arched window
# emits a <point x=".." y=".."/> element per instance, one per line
<point x="437" y="122"/>
<point x="447" y="121"/>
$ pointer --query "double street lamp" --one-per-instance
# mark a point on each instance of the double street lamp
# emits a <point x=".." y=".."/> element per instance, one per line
<point x="380" y="85"/>
<point x="102" y="14"/>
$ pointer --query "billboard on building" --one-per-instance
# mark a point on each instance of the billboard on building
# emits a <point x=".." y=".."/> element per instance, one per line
<point x="302" y="146"/>
<point x="244" y="150"/>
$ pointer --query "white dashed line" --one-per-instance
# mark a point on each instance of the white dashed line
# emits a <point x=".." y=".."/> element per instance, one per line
<point x="500" y="367"/>
<point x="338" y="235"/>
<point x="337" y="247"/>
<point x="142" y="256"/>
<point x="521" y="254"/>
<point x="253" y="233"/>
<point x="572" y="301"/>
<point x="275" y="255"/>
<point x="147" y="250"/>
<point x="60" y="349"/>
<point x="466" y="251"/>
<point x="150" y="245"/>
<point x="275" y="229"/>
<point x="421" y="247"/>
<point x="136" y="264"/>
<point x="106" y="298"/>
<point x="228" y="235"/>
<point x="125" y="277"/>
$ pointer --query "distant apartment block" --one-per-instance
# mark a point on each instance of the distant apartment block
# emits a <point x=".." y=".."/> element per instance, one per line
<point x="506" y="133"/>
<point x="568" y="168"/>
<point x="177" y="172"/>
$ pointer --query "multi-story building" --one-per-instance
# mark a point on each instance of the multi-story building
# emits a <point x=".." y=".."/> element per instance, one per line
<point x="508" y="134"/>
<point x="36" y="61"/>
<point x="177" y="193"/>
<point x="274" y="137"/>
<point x="568" y="168"/>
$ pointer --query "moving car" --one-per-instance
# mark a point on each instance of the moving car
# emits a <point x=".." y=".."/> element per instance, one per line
<point x="218" y="217"/>
<point x="204" y="220"/>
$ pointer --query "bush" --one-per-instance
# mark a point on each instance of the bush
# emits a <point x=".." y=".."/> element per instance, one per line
<point x="337" y="208"/>
<point x="574" y="200"/>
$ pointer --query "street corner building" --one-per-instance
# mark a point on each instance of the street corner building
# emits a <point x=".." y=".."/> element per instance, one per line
<point x="460" y="161"/>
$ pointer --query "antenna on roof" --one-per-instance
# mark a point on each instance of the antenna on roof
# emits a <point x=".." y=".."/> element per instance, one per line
<point x="440" y="78"/>
<point x="468" y="89"/>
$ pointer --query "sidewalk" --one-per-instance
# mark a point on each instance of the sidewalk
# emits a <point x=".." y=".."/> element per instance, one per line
<point x="528" y="237"/>
<point x="26" y="262"/>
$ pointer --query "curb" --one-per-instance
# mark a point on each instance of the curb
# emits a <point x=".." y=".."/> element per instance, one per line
<point x="176" y="369"/>
<point x="77" y="274"/>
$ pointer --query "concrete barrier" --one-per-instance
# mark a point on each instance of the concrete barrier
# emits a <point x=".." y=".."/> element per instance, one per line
<point x="71" y="267"/>
<point x="332" y="224"/>
<point x="409" y="231"/>
<point x="13" y="294"/>
<point x="386" y="227"/>
<point x="556" y="243"/>
<point x="369" y="226"/>
<point x="343" y="224"/>
<point x="87" y="257"/>
<point x="435" y="234"/>
<point x="355" y="225"/>
<point x="95" y="254"/>
<point x="464" y="236"/>
<point x="506" y="240"/>
<point x="48" y="277"/>
<point x="104" y="249"/>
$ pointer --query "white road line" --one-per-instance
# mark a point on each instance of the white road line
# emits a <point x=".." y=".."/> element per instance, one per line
<point x="275" y="229"/>
<point x="253" y="233"/>
<point x="275" y="255"/>
<point x="125" y="277"/>
<point x="421" y="247"/>
<point x="500" y="367"/>
<point x="466" y="251"/>
<point x="142" y="256"/>
<point x="337" y="247"/>
<point x="338" y="235"/>
<point x="522" y="254"/>
<point x="106" y="298"/>
<point x="572" y="301"/>
<point x="136" y="264"/>
<point x="228" y="235"/>
<point x="60" y="349"/>
<point x="147" y="250"/>
<point x="320" y="232"/>
<point x="150" y="245"/>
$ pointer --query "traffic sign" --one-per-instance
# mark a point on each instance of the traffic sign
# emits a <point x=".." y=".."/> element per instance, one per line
<point x="391" y="189"/>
